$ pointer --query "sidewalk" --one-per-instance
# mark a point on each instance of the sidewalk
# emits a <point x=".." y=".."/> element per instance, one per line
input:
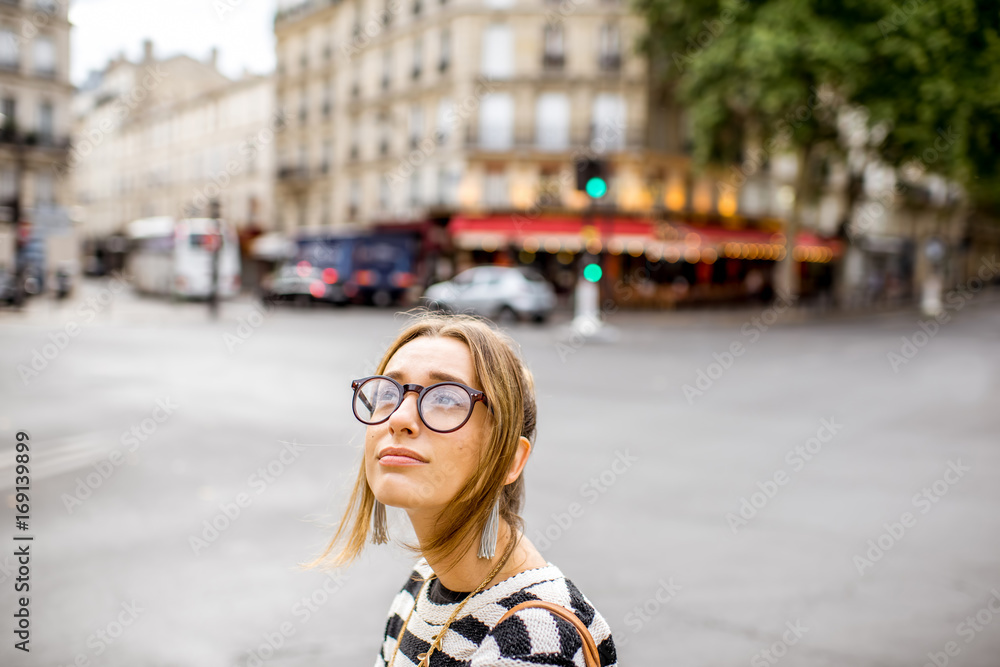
<point x="128" y="307"/>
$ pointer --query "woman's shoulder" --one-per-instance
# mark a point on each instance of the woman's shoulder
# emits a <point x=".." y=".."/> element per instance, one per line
<point x="534" y="633"/>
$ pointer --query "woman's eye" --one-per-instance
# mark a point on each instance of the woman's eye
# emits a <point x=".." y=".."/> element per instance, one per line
<point x="446" y="399"/>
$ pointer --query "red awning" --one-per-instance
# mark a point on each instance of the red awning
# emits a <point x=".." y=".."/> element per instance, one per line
<point x="566" y="233"/>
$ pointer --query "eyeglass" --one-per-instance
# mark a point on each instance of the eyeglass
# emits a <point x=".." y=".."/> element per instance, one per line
<point x="444" y="407"/>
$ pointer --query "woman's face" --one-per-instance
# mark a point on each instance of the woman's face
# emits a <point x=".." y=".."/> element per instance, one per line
<point x="449" y="459"/>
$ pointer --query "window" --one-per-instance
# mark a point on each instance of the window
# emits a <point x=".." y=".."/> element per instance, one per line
<point x="9" y="110"/>
<point x="609" y="41"/>
<point x="46" y="125"/>
<point x="303" y="108"/>
<point x="327" y="99"/>
<point x="44" y="189"/>
<point x="415" y="199"/>
<point x="608" y="128"/>
<point x="327" y="156"/>
<point x="386" y="68"/>
<point x="416" y="124"/>
<point x="303" y="162"/>
<point x="45" y="56"/>
<point x="418" y="50"/>
<point x="445" y="50"/>
<point x="353" y="198"/>
<point x="499" y="4"/>
<point x="8" y="184"/>
<point x="554" y="57"/>
<point x="552" y="121"/>
<point x="384" y="195"/>
<point x="10" y="54"/>
<point x="496" y="188"/>
<point x="498" y="52"/>
<point x="496" y="121"/>
<point x="443" y="116"/>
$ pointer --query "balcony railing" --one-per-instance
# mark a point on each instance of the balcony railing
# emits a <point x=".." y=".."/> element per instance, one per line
<point x="293" y="173"/>
<point x="610" y="62"/>
<point x="12" y="136"/>
<point x="504" y="139"/>
<point x="553" y="61"/>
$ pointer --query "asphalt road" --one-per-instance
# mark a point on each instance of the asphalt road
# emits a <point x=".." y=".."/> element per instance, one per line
<point x="827" y="496"/>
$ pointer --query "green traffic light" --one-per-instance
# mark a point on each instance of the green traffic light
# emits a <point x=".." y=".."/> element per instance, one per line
<point x="592" y="272"/>
<point x="597" y="187"/>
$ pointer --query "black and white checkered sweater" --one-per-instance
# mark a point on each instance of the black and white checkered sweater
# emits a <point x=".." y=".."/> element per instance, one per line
<point x="474" y="639"/>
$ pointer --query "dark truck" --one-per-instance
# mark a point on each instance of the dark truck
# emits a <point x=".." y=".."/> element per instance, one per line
<point x="347" y="267"/>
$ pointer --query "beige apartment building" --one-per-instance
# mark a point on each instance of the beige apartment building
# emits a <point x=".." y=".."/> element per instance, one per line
<point x="468" y="116"/>
<point x="403" y="109"/>
<point x="171" y="137"/>
<point x="35" y="95"/>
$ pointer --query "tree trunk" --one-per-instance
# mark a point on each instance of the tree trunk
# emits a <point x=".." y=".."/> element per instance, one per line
<point x="786" y="283"/>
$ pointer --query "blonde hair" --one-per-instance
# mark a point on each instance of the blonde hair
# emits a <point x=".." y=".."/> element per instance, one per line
<point x="510" y="391"/>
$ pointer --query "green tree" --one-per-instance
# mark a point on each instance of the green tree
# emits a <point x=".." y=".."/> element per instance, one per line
<point x="776" y="75"/>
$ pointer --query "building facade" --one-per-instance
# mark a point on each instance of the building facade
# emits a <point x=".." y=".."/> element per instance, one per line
<point x="35" y="96"/>
<point x="173" y="137"/>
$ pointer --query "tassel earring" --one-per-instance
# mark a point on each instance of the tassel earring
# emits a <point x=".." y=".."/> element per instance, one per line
<point x="488" y="543"/>
<point x="380" y="533"/>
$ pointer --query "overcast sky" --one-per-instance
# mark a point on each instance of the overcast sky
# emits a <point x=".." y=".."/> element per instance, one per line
<point x="104" y="28"/>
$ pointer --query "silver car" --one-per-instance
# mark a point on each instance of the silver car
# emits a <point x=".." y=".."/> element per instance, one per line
<point x="502" y="293"/>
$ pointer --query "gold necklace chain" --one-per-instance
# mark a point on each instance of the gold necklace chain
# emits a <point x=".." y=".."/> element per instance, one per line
<point x="439" y="637"/>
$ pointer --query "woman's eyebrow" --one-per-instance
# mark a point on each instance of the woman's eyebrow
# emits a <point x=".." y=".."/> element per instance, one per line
<point x="438" y="376"/>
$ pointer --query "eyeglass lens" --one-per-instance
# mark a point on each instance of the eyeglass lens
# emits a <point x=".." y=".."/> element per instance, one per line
<point x="443" y="408"/>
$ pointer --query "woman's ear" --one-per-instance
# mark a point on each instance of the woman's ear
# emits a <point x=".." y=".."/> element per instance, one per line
<point x="520" y="458"/>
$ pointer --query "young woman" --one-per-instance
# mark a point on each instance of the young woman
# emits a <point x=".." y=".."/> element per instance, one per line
<point x="450" y="422"/>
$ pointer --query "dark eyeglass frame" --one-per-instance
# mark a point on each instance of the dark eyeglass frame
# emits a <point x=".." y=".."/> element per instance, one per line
<point x="474" y="394"/>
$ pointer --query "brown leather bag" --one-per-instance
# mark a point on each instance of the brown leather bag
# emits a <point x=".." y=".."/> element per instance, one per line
<point x="590" y="655"/>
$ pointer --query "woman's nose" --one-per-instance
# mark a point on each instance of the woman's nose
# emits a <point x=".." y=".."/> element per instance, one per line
<point x="406" y="416"/>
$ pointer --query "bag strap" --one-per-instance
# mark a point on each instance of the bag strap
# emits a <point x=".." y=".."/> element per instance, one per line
<point x="590" y="654"/>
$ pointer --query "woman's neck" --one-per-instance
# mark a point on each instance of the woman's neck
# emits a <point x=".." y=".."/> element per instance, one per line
<point x="467" y="573"/>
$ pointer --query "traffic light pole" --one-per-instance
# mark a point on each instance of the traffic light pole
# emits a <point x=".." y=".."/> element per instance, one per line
<point x="587" y="323"/>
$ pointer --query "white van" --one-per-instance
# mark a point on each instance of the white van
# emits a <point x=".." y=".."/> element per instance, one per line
<point x="173" y="257"/>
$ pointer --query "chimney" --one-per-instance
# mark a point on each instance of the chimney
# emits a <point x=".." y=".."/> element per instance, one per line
<point x="213" y="59"/>
<point x="147" y="51"/>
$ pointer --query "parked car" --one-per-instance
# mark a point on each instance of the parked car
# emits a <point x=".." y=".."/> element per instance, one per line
<point x="501" y="293"/>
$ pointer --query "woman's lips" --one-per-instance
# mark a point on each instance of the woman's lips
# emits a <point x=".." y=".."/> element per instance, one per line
<point x="397" y="460"/>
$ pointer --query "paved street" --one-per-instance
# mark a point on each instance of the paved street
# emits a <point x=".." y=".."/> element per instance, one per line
<point x="809" y="499"/>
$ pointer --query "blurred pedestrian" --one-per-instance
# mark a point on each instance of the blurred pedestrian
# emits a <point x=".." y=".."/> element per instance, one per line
<point x="452" y="459"/>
